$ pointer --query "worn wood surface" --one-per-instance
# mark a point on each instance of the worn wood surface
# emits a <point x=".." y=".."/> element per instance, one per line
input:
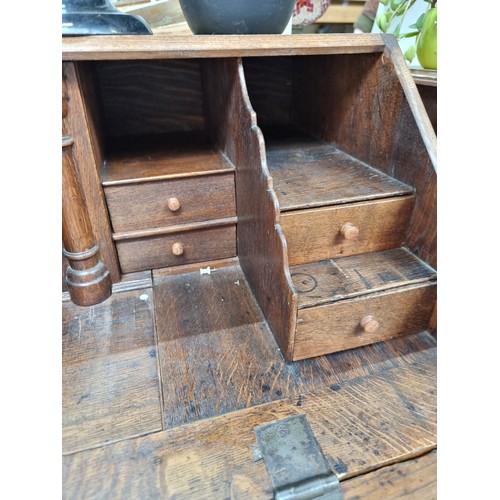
<point x="310" y="173"/>
<point x="261" y="245"/>
<point x="150" y="97"/>
<point x="218" y="355"/>
<point x="81" y="123"/>
<point x="161" y="46"/>
<point x="155" y="251"/>
<point x="335" y="327"/>
<point x="110" y="383"/>
<point x="362" y="424"/>
<point x="87" y="279"/>
<point x="414" y="479"/>
<point x="145" y="205"/>
<point x="354" y="107"/>
<point x="269" y="86"/>
<point x="315" y="234"/>
<point x="429" y="98"/>
<point x="162" y="156"/>
<point x="348" y="277"/>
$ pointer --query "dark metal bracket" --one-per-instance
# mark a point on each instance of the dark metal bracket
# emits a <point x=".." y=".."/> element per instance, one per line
<point x="294" y="460"/>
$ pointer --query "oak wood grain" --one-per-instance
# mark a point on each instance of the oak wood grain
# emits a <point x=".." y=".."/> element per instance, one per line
<point x="163" y="46"/>
<point x="110" y="383"/>
<point x="217" y="353"/>
<point x="80" y="124"/>
<point x="86" y="278"/>
<point x="335" y="327"/>
<point x="361" y="425"/>
<point x="145" y="205"/>
<point x="150" y="97"/>
<point x="310" y="173"/>
<point x="348" y="277"/>
<point x="152" y="252"/>
<point x="389" y="130"/>
<point x="414" y="479"/>
<point x="261" y="245"/>
<point x="316" y="234"/>
<point x="161" y="156"/>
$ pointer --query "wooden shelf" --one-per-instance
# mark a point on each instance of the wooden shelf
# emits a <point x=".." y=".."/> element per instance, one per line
<point x="165" y="156"/>
<point x="349" y="277"/>
<point x="309" y="173"/>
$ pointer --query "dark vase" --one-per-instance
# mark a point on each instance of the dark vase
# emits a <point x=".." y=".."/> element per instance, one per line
<point x="99" y="17"/>
<point x="224" y="17"/>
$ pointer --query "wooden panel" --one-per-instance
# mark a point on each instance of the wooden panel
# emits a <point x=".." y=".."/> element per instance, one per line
<point x="349" y="277"/>
<point x="310" y="173"/>
<point x="261" y="244"/>
<point x="110" y="385"/>
<point x="218" y="355"/>
<point x="335" y="327"/>
<point x="429" y="98"/>
<point x="215" y="352"/>
<point x="412" y="480"/>
<point x="315" y="234"/>
<point x="162" y="156"/>
<point x="360" y="425"/>
<point x="141" y="97"/>
<point x="163" y="46"/>
<point x="156" y="251"/>
<point x="81" y="123"/>
<point x="269" y="86"/>
<point x="387" y="130"/>
<point x="146" y="205"/>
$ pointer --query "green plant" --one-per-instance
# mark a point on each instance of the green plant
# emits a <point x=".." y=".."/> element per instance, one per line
<point x="424" y="30"/>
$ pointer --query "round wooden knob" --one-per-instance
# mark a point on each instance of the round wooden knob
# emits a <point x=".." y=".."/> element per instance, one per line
<point x="349" y="231"/>
<point x="173" y="204"/>
<point x="177" y="248"/>
<point x="369" y="324"/>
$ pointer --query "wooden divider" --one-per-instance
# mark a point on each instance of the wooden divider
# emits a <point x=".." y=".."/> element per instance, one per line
<point x="260" y="241"/>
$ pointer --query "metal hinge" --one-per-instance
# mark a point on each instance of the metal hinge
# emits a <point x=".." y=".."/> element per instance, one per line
<point x="294" y="460"/>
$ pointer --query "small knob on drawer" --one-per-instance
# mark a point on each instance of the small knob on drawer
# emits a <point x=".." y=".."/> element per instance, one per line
<point x="369" y="324"/>
<point x="177" y="248"/>
<point x="173" y="204"/>
<point x="349" y="231"/>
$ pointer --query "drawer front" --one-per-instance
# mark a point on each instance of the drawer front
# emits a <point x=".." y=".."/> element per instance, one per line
<point x="325" y="233"/>
<point x="154" y="252"/>
<point x="338" y="326"/>
<point x="171" y="202"/>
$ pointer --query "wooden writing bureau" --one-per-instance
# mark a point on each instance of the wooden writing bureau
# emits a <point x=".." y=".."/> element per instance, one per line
<point x="307" y="160"/>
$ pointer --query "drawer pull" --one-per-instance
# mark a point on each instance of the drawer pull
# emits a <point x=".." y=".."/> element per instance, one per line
<point x="173" y="204"/>
<point x="349" y="231"/>
<point x="369" y="324"/>
<point x="177" y="248"/>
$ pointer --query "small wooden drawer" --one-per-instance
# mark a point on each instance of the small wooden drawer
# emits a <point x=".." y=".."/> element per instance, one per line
<point x="163" y="203"/>
<point x="153" y="252"/>
<point x="363" y="320"/>
<point x="341" y="230"/>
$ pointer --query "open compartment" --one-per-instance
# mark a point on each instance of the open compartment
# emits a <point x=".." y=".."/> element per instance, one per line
<point x="349" y="162"/>
<point x="168" y="190"/>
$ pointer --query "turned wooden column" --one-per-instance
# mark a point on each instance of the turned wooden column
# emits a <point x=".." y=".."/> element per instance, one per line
<point x="87" y="278"/>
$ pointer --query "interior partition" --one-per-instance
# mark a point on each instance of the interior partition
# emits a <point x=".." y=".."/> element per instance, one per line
<point x="261" y="245"/>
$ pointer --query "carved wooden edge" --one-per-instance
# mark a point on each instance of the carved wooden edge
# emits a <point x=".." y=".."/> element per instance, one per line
<point x="87" y="279"/>
<point x="88" y="157"/>
<point x="260" y="240"/>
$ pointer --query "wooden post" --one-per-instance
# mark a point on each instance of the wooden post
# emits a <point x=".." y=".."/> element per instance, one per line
<point x="88" y="280"/>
